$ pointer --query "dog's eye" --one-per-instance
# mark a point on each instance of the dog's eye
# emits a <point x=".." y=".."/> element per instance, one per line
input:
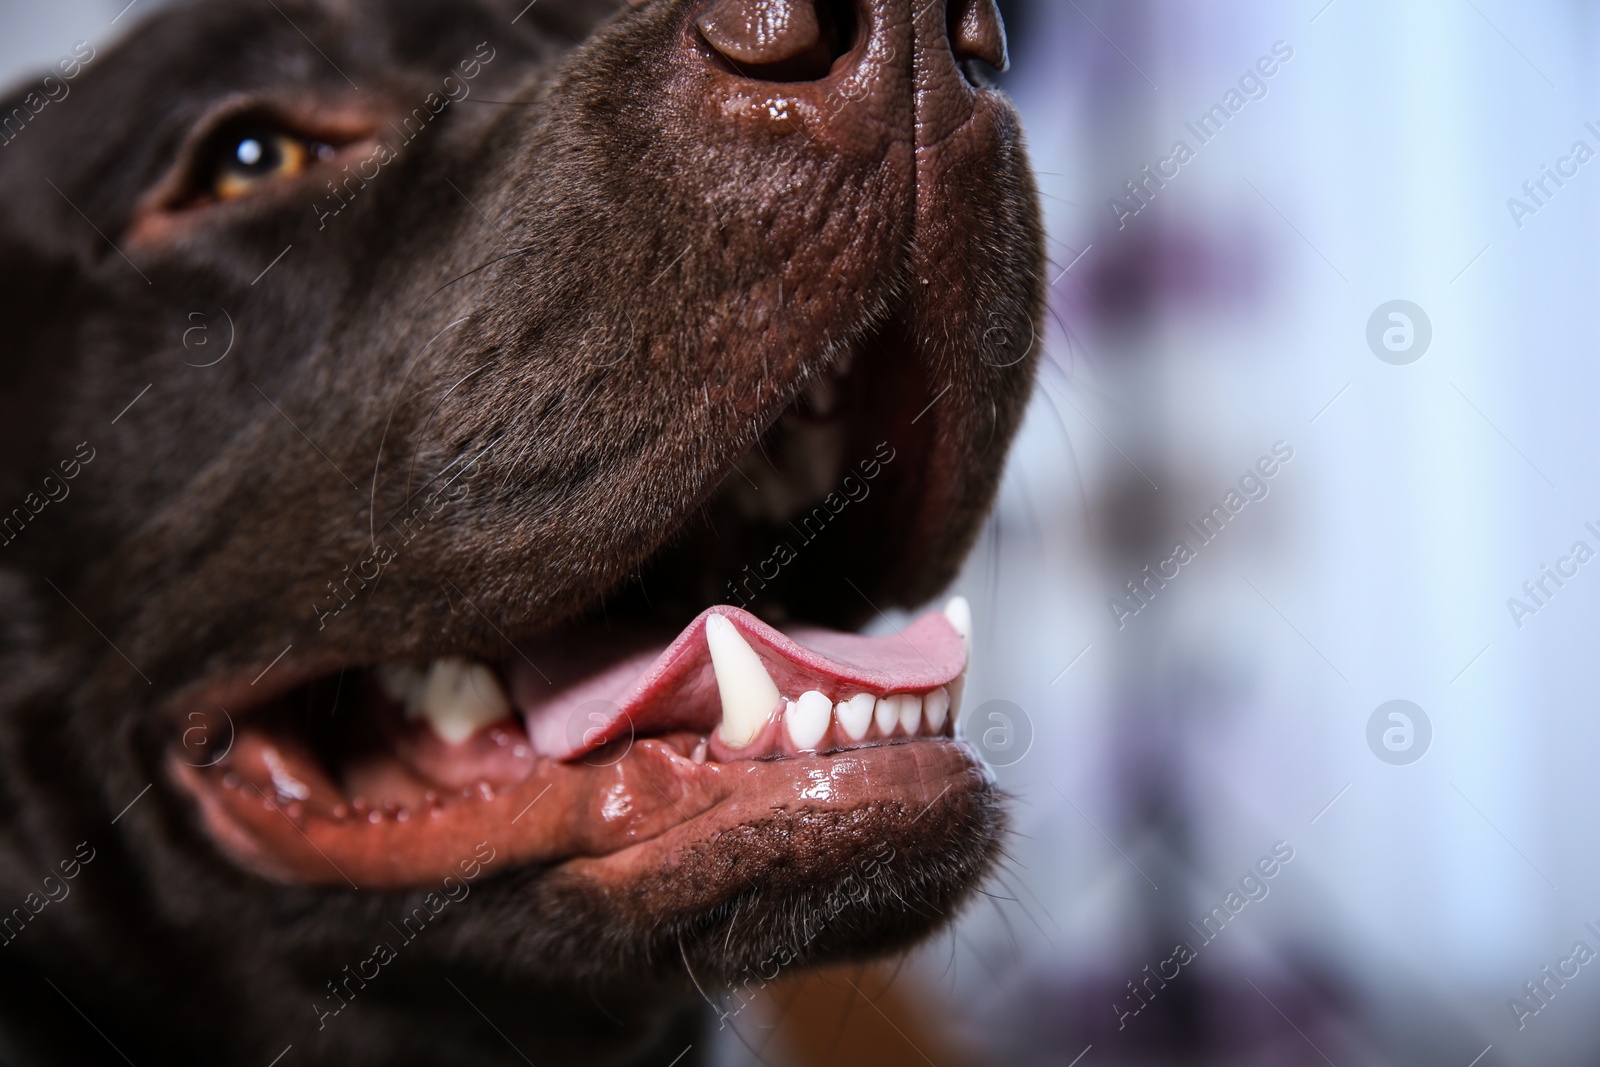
<point x="248" y="158"/>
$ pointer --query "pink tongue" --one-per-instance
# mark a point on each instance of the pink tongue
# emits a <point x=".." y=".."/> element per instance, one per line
<point x="654" y="692"/>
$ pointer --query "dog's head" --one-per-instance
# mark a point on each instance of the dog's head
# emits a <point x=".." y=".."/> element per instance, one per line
<point x="445" y="446"/>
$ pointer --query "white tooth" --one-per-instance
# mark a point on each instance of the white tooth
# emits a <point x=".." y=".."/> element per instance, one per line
<point x="749" y="696"/>
<point x="959" y="612"/>
<point x="886" y="712"/>
<point x="855" y="715"/>
<point x="458" y="698"/>
<point x="937" y="707"/>
<point x="808" y="719"/>
<point x="910" y="713"/>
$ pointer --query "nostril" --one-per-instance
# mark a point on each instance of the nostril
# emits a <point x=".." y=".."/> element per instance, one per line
<point x="780" y="40"/>
<point x="977" y="32"/>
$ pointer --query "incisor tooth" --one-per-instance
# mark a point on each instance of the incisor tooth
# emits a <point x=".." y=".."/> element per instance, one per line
<point x="749" y="696"/>
<point x="855" y="715"/>
<point x="808" y="719"/>
<point x="886" y="712"/>
<point x="910" y="713"/>
<point x="937" y="709"/>
<point x="458" y="699"/>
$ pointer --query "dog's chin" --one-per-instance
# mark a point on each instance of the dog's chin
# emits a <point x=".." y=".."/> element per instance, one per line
<point x="691" y="745"/>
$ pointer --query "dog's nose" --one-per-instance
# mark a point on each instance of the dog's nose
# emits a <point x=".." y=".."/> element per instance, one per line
<point x="803" y="40"/>
<point x="977" y="32"/>
<point x="776" y="40"/>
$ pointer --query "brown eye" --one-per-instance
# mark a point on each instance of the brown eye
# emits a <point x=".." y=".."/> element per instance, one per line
<point x="250" y="158"/>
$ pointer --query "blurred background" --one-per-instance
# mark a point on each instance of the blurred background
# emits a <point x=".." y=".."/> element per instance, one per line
<point x="1348" y="243"/>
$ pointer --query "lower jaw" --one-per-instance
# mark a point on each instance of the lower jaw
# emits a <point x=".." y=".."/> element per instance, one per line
<point x="610" y="820"/>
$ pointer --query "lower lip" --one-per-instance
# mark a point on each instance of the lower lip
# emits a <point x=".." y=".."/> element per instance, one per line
<point x="637" y="812"/>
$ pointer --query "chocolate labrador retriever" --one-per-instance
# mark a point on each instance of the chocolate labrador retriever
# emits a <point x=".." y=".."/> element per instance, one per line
<point x="447" y="450"/>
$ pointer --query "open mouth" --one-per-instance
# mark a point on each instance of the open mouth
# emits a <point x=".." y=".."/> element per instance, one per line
<point x="631" y="731"/>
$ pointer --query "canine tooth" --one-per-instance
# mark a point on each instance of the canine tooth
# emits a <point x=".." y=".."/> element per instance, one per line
<point x="458" y="698"/>
<point x="910" y="712"/>
<point x="937" y="708"/>
<point x="807" y="719"/>
<point x="886" y="713"/>
<point x="749" y="696"/>
<point x="855" y="715"/>
<point x="959" y="612"/>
